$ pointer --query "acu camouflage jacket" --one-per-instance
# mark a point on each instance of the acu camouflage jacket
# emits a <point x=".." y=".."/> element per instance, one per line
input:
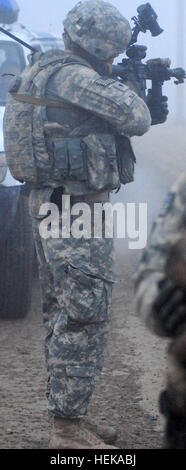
<point x="61" y="125"/>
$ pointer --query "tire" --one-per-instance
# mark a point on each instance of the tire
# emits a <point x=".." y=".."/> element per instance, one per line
<point x="16" y="265"/>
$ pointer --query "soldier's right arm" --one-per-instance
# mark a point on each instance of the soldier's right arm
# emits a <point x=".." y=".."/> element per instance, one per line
<point x="108" y="98"/>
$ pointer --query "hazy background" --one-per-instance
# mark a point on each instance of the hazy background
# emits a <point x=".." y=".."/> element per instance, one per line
<point x="46" y="15"/>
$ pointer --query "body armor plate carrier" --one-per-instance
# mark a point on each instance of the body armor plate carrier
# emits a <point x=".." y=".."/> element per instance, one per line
<point x="28" y="135"/>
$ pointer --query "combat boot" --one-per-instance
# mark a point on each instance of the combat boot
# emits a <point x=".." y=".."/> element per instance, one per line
<point x="74" y="434"/>
<point x="107" y="433"/>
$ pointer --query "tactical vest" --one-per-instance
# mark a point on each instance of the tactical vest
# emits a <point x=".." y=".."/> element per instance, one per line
<point x="43" y="153"/>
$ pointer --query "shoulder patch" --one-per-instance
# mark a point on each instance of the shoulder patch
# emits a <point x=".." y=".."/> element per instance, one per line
<point x="119" y="86"/>
<point x="104" y="81"/>
<point x="129" y="94"/>
<point x="167" y="205"/>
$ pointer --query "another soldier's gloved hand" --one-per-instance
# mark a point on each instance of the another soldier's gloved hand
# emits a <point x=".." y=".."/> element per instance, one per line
<point x="158" y="113"/>
<point x="170" y="307"/>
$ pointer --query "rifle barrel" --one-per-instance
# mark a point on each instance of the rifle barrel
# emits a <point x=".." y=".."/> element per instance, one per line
<point x="18" y="39"/>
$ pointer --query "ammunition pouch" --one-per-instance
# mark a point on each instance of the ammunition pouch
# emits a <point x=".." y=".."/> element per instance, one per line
<point x="125" y="158"/>
<point x="91" y="160"/>
<point x="100" y="161"/>
<point x="69" y="159"/>
<point x="102" y="169"/>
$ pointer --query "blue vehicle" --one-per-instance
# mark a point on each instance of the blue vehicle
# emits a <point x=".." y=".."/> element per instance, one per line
<point x="16" y="243"/>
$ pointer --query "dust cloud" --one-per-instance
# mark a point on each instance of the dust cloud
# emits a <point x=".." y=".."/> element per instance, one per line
<point x="161" y="159"/>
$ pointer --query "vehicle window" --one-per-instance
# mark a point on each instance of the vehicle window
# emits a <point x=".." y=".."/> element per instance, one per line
<point x="12" y="62"/>
<point x="46" y="44"/>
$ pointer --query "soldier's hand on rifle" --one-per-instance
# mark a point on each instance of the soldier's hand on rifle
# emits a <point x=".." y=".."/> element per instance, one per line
<point x="170" y="307"/>
<point x="159" y="112"/>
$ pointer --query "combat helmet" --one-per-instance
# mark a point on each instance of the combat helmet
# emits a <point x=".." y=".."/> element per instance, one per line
<point x="98" y="28"/>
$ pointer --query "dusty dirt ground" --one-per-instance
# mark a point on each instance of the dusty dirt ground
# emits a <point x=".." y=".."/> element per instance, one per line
<point x="135" y="362"/>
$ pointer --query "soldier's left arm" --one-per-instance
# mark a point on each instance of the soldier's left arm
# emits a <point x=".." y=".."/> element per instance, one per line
<point x="105" y="98"/>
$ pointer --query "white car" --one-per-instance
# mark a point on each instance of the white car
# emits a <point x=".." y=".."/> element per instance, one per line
<point x="16" y="241"/>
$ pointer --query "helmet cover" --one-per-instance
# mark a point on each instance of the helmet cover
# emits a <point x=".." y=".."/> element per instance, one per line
<point x="99" y="28"/>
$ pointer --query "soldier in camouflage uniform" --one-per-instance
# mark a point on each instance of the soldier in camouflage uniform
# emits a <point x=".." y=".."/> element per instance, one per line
<point x="91" y="123"/>
<point x="77" y="275"/>
<point x="161" y="301"/>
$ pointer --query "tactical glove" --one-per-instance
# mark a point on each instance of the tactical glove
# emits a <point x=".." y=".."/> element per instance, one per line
<point x="158" y="112"/>
<point x="169" y="308"/>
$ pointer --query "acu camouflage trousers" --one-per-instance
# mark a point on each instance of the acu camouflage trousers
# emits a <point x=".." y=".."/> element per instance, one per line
<point x="76" y="281"/>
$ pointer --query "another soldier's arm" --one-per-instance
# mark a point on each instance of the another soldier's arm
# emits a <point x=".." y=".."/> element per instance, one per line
<point x="108" y="98"/>
<point x="160" y="302"/>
